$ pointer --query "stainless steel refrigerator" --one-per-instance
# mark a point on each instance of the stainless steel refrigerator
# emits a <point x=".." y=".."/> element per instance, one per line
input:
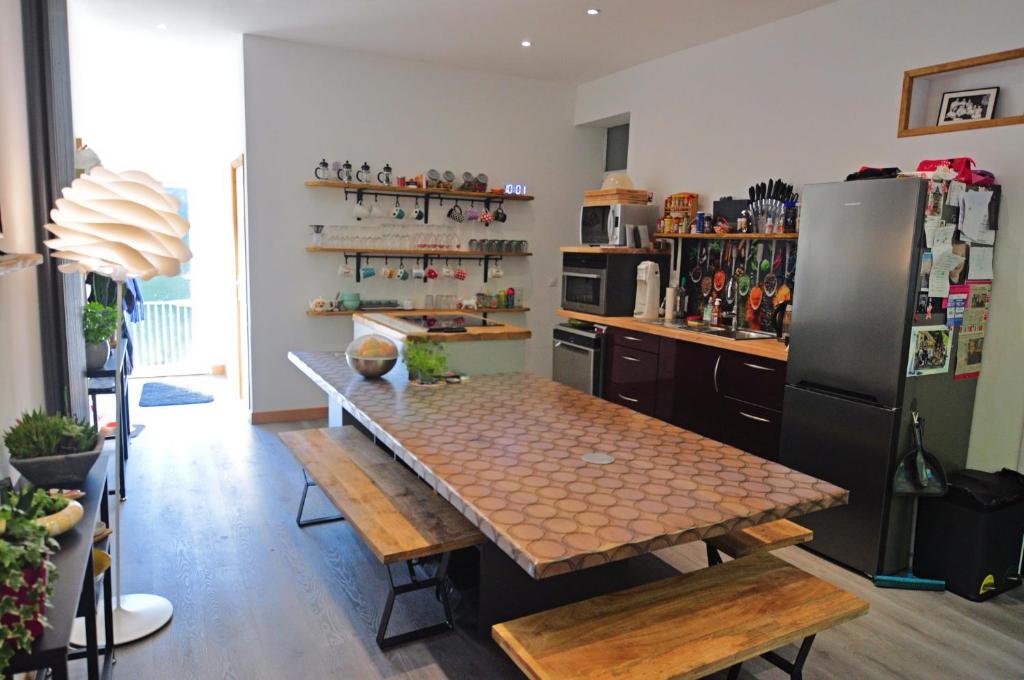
<point x="848" y="400"/>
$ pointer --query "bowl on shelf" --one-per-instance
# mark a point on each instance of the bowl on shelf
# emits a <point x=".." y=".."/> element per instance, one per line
<point x="371" y="356"/>
<point x="350" y="301"/>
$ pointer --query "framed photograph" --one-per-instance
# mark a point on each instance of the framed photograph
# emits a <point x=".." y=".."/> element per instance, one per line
<point x="929" y="350"/>
<point x="964" y="106"/>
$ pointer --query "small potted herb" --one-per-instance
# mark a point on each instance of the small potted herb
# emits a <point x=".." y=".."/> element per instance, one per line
<point x="26" y="575"/>
<point x="99" y="323"/>
<point x="425" y="360"/>
<point x="53" y="451"/>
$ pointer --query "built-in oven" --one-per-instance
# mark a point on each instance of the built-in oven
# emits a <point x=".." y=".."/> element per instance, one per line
<point x="585" y="284"/>
<point x="617" y="225"/>
<point x="577" y="358"/>
<point x="605" y="283"/>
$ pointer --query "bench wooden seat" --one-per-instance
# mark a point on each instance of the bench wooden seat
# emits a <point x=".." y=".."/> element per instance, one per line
<point x="760" y="538"/>
<point x="686" y="626"/>
<point x="396" y="514"/>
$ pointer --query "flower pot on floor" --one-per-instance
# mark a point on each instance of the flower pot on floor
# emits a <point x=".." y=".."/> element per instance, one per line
<point x="96" y="355"/>
<point x="63" y="471"/>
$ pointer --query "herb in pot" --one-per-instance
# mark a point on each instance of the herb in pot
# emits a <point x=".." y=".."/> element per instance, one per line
<point x="425" y="360"/>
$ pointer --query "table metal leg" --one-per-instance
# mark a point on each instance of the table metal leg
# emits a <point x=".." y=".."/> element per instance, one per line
<point x="92" y="657"/>
<point x="713" y="556"/>
<point x="302" y="504"/>
<point x="796" y="667"/>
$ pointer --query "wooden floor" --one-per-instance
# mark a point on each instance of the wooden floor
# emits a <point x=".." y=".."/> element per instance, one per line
<point x="210" y="523"/>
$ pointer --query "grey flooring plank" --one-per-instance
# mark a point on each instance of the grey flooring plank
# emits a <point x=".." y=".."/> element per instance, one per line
<point x="209" y="523"/>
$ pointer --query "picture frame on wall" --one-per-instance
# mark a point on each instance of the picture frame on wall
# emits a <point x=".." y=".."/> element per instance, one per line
<point x="963" y="106"/>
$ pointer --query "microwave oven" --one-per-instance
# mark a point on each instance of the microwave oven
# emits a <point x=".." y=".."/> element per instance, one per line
<point x="617" y="225"/>
<point x="605" y="283"/>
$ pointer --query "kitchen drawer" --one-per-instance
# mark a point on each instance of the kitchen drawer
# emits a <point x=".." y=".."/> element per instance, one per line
<point x="633" y="379"/>
<point x="751" y="428"/>
<point x="634" y="340"/>
<point x="752" y="379"/>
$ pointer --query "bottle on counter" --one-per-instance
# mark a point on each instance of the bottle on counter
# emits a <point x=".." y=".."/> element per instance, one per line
<point x="716" y="313"/>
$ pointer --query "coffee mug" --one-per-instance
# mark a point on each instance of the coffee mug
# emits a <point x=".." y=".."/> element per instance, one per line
<point x="403" y="273"/>
<point x="398" y="213"/>
<point x="472" y="215"/>
<point x="361" y="211"/>
<point x="499" y="215"/>
<point x="496" y="272"/>
<point x="486" y="217"/>
<point x="417" y="213"/>
<point x="344" y="270"/>
<point x="418" y="273"/>
<point x="363" y="174"/>
<point x="430" y="273"/>
<point x="369" y="272"/>
<point x="407" y="304"/>
<point x="455" y="213"/>
<point x="447" y="272"/>
<point x="460" y="274"/>
<point x="476" y="244"/>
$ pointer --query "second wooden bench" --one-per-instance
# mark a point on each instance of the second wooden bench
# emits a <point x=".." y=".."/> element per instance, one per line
<point x="396" y="514"/>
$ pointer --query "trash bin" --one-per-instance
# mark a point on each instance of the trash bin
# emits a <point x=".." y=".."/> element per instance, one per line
<point x="973" y="536"/>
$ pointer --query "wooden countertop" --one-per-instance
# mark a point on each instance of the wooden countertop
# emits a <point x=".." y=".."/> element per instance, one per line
<point x="387" y="324"/>
<point x="767" y="349"/>
<point x="507" y="451"/>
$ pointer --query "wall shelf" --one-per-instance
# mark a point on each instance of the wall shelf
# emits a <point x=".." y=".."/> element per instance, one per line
<point x="734" y="237"/>
<point x="361" y="254"/>
<point x="346" y="312"/>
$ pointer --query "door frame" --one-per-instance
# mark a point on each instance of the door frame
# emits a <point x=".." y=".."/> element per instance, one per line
<point x="239" y="363"/>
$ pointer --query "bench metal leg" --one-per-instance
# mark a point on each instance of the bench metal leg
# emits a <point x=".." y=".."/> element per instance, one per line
<point x="438" y="582"/>
<point x="713" y="557"/>
<point x="302" y="504"/>
<point x="796" y="668"/>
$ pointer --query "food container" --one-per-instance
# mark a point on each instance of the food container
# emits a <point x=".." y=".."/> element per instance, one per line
<point x="371" y="356"/>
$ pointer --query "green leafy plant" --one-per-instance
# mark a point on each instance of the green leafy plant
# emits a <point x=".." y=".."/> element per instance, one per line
<point x="26" y="576"/>
<point x="99" y="322"/>
<point x="33" y="502"/>
<point x="425" y="360"/>
<point x="37" y="434"/>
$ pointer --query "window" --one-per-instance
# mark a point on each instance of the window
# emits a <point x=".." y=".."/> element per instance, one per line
<point x="616" y="148"/>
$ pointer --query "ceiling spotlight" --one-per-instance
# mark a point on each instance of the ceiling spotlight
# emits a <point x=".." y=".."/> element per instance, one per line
<point x="526" y="43"/>
<point x="161" y="27"/>
<point x="593" y="11"/>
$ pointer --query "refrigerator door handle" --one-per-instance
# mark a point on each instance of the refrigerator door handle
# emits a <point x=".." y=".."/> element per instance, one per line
<point x="866" y="399"/>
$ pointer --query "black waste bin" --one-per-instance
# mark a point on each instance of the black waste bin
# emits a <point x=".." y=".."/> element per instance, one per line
<point x="972" y="537"/>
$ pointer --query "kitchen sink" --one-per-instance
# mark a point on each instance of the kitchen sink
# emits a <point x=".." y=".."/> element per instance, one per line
<point x="741" y="334"/>
<point x="722" y="332"/>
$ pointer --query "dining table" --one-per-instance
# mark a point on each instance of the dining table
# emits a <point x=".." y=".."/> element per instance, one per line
<point x="562" y="482"/>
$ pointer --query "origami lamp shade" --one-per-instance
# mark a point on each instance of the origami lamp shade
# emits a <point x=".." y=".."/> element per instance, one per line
<point x="121" y="225"/>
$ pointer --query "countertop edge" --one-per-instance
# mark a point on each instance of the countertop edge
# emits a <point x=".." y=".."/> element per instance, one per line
<point x="767" y="349"/>
<point x="504" y="332"/>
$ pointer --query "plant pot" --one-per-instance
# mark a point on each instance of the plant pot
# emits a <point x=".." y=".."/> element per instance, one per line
<point x="96" y="355"/>
<point x="25" y="596"/>
<point x="68" y="470"/>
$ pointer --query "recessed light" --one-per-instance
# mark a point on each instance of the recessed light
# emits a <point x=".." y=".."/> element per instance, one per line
<point x="161" y="27"/>
<point x="526" y="43"/>
<point x="593" y="11"/>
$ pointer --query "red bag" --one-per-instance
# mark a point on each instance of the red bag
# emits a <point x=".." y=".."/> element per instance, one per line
<point x="962" y="166"/>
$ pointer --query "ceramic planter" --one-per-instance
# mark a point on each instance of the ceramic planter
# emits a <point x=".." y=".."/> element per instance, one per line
<point x="96" y="355"/>
<point x="62" y="471"/>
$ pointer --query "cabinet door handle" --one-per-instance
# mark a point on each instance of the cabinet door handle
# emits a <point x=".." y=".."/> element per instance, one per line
<point x="758" y="367"/>
<point x="629" y="399"/>
<point x="757" y="418"/>
<point x="630" y="337"/>
<point x="629" y="358"/>
<point x="717" y="362"/>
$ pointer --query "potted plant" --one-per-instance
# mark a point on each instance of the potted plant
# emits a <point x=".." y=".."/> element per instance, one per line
<point x="53" y="451"/>
<point x="26" y="575"/>
<point x="99" y="323"/>
<point x="425" y="360"/>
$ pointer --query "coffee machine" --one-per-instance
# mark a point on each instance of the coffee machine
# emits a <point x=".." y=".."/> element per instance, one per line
<point x="648" y="290"/>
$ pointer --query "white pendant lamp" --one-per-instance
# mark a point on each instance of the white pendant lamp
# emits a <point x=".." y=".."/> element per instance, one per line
<point x="122" y="225"/>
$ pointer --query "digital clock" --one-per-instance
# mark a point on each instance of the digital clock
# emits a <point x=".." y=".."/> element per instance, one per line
<point x="515" y="189"/>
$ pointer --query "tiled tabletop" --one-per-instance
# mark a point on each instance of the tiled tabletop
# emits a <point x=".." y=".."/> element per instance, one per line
<point x="506" y="451"/>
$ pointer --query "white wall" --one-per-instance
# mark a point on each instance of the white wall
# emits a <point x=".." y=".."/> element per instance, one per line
<point x="21" y="366"/>
<point x="303" y="103"/>
<point x="170" y="105"/>
<point x="810" y="99"/>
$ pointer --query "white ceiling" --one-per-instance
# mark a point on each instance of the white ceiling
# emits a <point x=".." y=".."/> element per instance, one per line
<point x="568" y="45"/>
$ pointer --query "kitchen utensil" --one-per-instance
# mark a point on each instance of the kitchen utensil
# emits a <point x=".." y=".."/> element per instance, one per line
<point x="771" y="282"/>
<point x="363" y="174"/>
<point x="384" y="176"/>
<point x="697" y="272"/>
<point x="719" y="277"/>
<point x="322" y="169"/>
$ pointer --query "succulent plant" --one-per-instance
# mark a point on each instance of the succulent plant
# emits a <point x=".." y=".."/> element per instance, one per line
<point x="37" y="434"/>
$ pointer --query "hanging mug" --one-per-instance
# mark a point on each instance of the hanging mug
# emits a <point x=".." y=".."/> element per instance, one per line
<point x="472" y="215"/>
<point x="496" y="272"/>
<point x="344" y="270"/>
<point x="430" y="273"/>
<point x="398" y="213"/>
<point x="455" y="213"/>
<point x="363" y="175"/>
<point x="417" y="213"/>
<point x="384" y="176"/>
<point x="322" y="170"/>
<point x="486" y="217"/>
<point x="499" y="214"/>
<point x="368" y="272"/>
<point x="418" y="273"/>
<point x="345" y="173"/>
<point x="447" y="273"/>
<point x="403" y="273"/>
<point x="460" y="274"/>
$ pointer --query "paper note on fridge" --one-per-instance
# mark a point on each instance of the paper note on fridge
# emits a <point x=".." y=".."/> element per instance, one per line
<point x="938" y="283"/>
<point x="980" y="263"/>
<point x="943" y="236"/>
<point x="944" y="258"/>
<point x="974" y="217"/>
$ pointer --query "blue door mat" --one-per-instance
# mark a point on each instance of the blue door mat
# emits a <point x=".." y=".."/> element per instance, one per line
<point x="162" y="394"/>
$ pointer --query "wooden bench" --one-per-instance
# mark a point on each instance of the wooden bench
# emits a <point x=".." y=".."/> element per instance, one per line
<point x="396" y="514"/>
<point x="686" y="626"/>
<point x="760" y="538"/>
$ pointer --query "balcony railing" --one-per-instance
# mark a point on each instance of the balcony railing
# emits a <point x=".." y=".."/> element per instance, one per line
<point x="164" y="338"/>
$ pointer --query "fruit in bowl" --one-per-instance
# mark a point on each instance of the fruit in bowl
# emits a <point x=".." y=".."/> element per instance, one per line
<point x="371" y="355"/>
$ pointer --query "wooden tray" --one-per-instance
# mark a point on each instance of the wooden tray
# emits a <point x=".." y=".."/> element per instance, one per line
<point x="615" y="196"/>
